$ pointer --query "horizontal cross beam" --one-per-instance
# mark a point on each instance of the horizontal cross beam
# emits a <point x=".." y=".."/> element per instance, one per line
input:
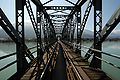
<point x="59" y="16"/>
<point x="58" y="7"/>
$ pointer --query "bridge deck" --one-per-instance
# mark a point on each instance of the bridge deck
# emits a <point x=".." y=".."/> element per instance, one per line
<point x="32" y="72"/>
<point x="86" y="72"/>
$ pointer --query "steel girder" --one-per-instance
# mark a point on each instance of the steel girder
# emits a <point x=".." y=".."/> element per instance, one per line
<point x="30" y="12"/>
<point x="9" y="29"/>
<point x="37" y="25"/>
<point x="82" y="25"/>
<point x="96" y="63"/>
<point x="59" y="16"/>
<point x="31" y="15"/>
<point x="78" y="26"/>
<point x="37" y="29"/>
<point x="74" y="20"/>
<point x="68" y="31"/>
<point x="45" y="30"/>
<point x="22" y="63"/>
<point x="78" y="29"/>
<point x="77" y="6"/>
<point x="39" y="4"/>
<point x="47" y="2"/>
<point x="86" y="15"/>
<point x="58" y="20"/>
<point x="58" y="7"/>
<point x="71" y="29"/>
<point x="108" y="28"/>
<point x="39" y="42"/>
<point x="111" y="24"/>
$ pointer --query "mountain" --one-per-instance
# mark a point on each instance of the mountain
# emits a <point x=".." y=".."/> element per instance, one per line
<point x="3" y="34"/>
<point x="115" y="34"/>
<point x="29" y="33"/>
<point x="90" y="34"/>
<point x="87" y="34"/>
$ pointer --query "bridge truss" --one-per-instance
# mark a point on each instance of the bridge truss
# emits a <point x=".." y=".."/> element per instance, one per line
<point x="55" y="26"/>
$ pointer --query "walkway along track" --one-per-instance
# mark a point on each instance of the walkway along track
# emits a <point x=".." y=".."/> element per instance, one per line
<point x="59" y="72"/>
<point x="31" y="74"/>
<point x="65" y="64"/>
<point x="80" y="67"/>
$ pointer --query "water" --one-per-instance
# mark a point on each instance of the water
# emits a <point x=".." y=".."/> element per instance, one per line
<point x="7" y="48"/>
<point x="112" y="47"/>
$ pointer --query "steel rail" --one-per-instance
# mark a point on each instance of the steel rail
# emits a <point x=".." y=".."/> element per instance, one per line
<point x="6" y="66"/>
<point x="78" y="74"/>
<point x="102" y="60"/>
<point x="47" y="64"/>
<point x="7" y="56"/>
<point x="112" y="55"/>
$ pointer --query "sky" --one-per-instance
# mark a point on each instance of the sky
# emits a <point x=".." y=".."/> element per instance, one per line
<point x="108" y="6"/>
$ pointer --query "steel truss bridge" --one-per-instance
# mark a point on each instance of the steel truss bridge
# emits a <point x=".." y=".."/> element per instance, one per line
<point x="56" y="59"/>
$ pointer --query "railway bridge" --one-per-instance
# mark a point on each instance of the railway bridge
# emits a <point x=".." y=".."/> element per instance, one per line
<point x="56" y="56"/>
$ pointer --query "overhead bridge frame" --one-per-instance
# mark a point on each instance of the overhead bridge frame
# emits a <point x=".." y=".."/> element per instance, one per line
<point x="55" y="26"/>
<point x="58" y="7"/>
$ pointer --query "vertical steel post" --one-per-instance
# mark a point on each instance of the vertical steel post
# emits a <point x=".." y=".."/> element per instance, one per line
<point x="78" y="26"/>
<point x="78" y="29"/>
<point x="21" y="61"/>
<point x="38" y="36"/>
<point x="97" y="29"/>
<point x="71" y="26"/>
<point x="39" y="42"/>
<point x="45" y="36"/>
<point x="67" y="34"/>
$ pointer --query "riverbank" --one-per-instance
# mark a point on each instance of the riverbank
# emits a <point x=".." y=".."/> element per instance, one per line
<point x="91" y="39"/>
<point x="9" y="40"/>
<point x="83" y="39"/>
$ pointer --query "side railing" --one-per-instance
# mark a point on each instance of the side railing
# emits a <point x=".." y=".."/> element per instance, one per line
<point x="12" y="54"/>
<point x="104" y="33"/>
<point x="75" y="70"/>
<point x="33" y="51"/>
<point x="48" y="64"/>
<point x="105" y="53"/>
<point x="95" y="50"/>
<point x="10" y="30"/>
